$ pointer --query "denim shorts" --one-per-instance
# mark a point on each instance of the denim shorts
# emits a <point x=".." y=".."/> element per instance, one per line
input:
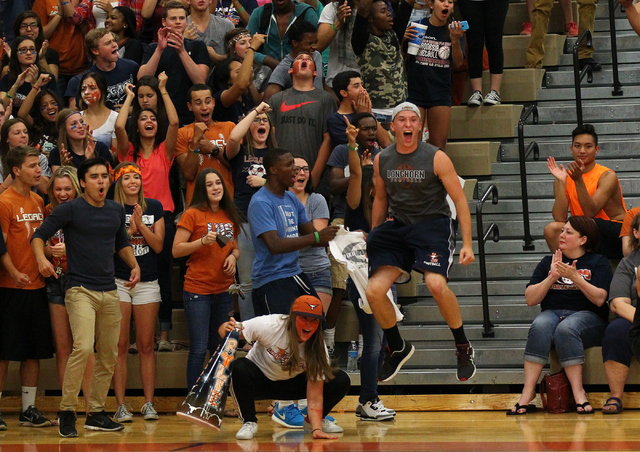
<point x="321" y="280"/>
<point x="56" y="289"/>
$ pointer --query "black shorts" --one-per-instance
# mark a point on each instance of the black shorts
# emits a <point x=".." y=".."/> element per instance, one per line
<point x="25" y="326"/>
<point x="425" y="246"/>
<point x="610" y="241"/>
<point x="276" y="297"/>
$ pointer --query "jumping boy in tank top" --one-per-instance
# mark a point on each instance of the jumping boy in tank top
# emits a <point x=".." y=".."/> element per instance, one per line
<point x="412" y="180"/>
<point x="587" y="188"/>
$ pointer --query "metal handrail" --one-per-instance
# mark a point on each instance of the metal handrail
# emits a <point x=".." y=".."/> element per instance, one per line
<point x="578" y="74"/>
<point x="482" y="237"/>
<point x="523" y="154"/>
<point x="617" y="86"/>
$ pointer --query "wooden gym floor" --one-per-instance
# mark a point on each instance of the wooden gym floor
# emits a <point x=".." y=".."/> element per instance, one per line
<point x="410" y="431"/>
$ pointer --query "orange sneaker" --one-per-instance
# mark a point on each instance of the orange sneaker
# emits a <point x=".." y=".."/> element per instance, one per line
<point x="526" y="28"/>
<point x="571" y="29"/>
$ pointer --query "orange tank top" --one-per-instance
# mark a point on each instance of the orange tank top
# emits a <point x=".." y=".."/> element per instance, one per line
<point x="591" y="182"/>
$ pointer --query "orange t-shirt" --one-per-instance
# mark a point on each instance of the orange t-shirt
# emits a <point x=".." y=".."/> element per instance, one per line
<point x="20" y="216"/>
<point x="626" y="223"/>
<point x="58" y="237"/>
<point x="219" y="134"/>
<point x="67" y="40"/>
<point x="591" y="182"/>
<point x="204" y="267"/>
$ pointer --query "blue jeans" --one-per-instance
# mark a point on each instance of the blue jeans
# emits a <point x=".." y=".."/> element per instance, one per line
<point x="205" y="314"/>
<point x="372" y="350"/>
<point x="569" y="332"/>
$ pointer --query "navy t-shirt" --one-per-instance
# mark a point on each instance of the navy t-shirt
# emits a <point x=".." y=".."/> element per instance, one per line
<point x="246" y="165"/>
<point x="337" y="127"/>
<point x="563" y="294"/>
<point x="102" y="150"/>
<point x="234" y="112"/>
<point x="146" y="257"/>
<point x="24" y="90"/>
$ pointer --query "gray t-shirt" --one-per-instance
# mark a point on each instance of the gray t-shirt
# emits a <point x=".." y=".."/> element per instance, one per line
<point x="623" y="284"/>
<point x="213" y="35"/>
<point x="282" y="78"/>
<point x="341" y="56"/>
<point x="414" y="191"/>
<point x="313" y="259"/>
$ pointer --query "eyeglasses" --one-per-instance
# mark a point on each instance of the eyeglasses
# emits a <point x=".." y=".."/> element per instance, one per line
<point x="28" y="26"/>
<point x="24" y="51"/>
<point x="261" y="120"/>
<point x="304" y="169"/>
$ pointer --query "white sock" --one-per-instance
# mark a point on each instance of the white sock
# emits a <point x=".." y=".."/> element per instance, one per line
<point x="302" y="404"/>
<point x="330" y="337"/>
<point x="360" y="345"/>
<point x="284" y="403"/>
<point x="28" y="397"/>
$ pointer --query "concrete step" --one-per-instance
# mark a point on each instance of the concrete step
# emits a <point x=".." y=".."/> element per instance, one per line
<point x="627" y="76"/>
<point x="603" y="25"/>
<point x="472" y="288"/>
<point x="422" y="333"/>
<point x="506" y="245"/>
<point x="514" y="229"/>
<point x="484" y="122"/>
<point x="601" y="56"/>
<point x="622" y="146"/>
<point x="518" y="85"/>
<point x="499" y="267"/>
<point x="550" y="95"/>
<point x="593" y="111"/>
<point x="620" y="166"/>
<point x="542" y="187"/>
<point x="484" y="376"/>
<point x="514" y="48"/>
<point x="490" y="353"/>
<point x="617" y="129"/>
<point x="626" y="41"/>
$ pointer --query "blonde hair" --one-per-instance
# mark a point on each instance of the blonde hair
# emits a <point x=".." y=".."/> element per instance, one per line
<point x="60" y="173"/>
<point x="118" y="194"/>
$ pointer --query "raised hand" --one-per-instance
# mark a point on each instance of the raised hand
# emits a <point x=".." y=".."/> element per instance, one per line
<point x="263" y="108"/>
<point x="65" y="155"/>
<point x="365" y="158"/>
<point x="352" y="131"/>
<point x="176" y="41"/>
<point x="43" y="49"/>
<point x="555" y="258"/>
<point x="162" y="81"/>
<point x="41" y="81"/>
<point x="257" y="40"/>
<point x="128" y="89"/>
<point x="191" y="32"/>
<point x="32" y="74"/>
<point x="559" y="172"/>
<point x="199" y="130"/>
<point x="163" y="38"/>
<point x="90" y="151"/>
<point x="575" y="170"/>
<point x="344" y="11"/>
<point x="455" y="31"/>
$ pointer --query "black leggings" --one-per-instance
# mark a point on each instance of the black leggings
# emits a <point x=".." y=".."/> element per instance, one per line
<point x="249" y="384"/>
<point x="486" y="25"/>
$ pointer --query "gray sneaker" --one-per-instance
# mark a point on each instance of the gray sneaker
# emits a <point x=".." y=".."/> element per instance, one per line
<point x="149" y="412"/>
<point x="475" y="100"/>
<point x="32" y="417"/>
<point x="493" y="98"/>
<point x="123" y="414"/>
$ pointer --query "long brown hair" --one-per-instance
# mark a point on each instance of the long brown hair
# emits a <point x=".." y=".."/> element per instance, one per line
<point x="271" y="139"/>
<point x="200" y="199"/>
<point x="316" y="359"/>
<point x="61" y="125"/>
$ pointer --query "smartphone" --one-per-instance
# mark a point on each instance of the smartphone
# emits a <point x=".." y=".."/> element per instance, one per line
<point x="464" y="25"/>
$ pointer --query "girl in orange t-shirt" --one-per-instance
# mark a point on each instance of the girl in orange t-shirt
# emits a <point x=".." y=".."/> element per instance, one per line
<point x="207" y="231"/>
<point x="63" y="187"/>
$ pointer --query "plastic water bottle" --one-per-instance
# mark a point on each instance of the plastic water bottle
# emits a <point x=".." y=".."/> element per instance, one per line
<point x="352" y="357"/>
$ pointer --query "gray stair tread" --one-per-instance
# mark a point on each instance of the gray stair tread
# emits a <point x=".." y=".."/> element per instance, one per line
<point x="448" y="377"/>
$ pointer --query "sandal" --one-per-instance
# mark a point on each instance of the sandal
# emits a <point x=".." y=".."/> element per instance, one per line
<point x="527" y="409"/>
<point x="584" y="408"/>
<point x="614" y="402"/>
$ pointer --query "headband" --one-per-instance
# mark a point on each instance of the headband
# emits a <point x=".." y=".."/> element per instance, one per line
<point x="238" y="37"/>
<point x="127" y="169"/>
<point x="68" y="116"/>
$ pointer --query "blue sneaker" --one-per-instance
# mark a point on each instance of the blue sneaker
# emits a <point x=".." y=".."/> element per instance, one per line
<point x="304" y="414"/>
<point x="288" y="416"/>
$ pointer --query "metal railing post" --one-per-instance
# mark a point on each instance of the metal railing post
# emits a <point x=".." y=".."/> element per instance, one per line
<point x="482" y="237"/>
<point x="578" y="74"/>
<point x="617" y="86"/>
<point x="523" y="154"/>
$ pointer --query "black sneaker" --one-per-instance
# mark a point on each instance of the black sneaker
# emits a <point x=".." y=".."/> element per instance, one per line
<point x="466" y="366"/>
<point x="393" y="361"/>
<point x="3" y="424"/>
<point x="595" y="66"/>
<point x="67" y="427"/>
<point x="100" y="421"/>
<point x="32" y="417"/>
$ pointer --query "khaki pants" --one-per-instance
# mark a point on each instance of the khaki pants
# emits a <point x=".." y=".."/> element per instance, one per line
<point x="541" y="11"/>
<point x="92" y="314"/>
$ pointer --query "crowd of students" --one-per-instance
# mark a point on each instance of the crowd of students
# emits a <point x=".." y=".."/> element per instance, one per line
<point x="243" y="150"/>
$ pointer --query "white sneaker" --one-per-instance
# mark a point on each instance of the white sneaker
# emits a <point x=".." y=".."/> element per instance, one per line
<point x="328" y="426"/>
<point x="247" y="430"/>
<point x="475" y="100"/>
<point x="373" y="411"/>
<point x="493" y="98"/>
<point x="123" y="414"/>
<point x="149" y="412"/>
<point x="390" y="410"/>
<point x="164" y="346"/>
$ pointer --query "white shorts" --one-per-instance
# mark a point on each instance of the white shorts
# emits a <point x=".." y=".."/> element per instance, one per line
<point x="142" y="293"/>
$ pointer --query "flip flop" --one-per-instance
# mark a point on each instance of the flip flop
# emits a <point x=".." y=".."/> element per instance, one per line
<point x="614" y="402"/>
<point x="584" y="408"/>
<point x="527" y="409"/>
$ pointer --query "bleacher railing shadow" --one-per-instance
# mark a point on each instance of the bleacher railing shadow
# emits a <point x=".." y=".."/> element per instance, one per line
<point x="523" y="155"/>
<point x="482" y="237"/>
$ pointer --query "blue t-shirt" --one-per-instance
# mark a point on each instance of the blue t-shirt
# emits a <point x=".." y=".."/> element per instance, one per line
<point x="248" y="165"/>
<point x="337" y="128"/>
<point x="283" y="214"/>
<point x="146" y="257"/>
